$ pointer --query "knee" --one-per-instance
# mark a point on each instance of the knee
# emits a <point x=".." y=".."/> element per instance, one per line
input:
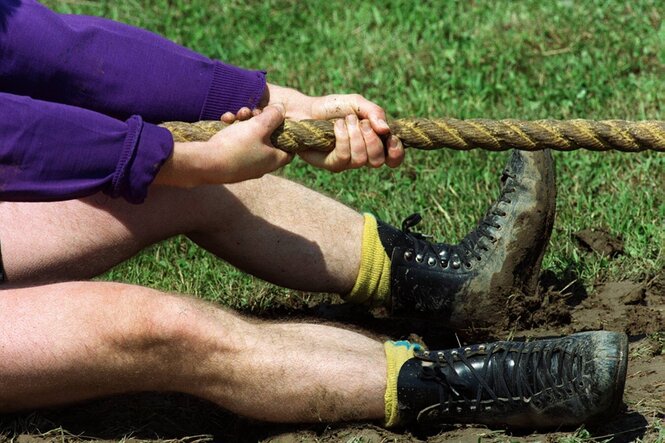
<point x="172" y="326"/>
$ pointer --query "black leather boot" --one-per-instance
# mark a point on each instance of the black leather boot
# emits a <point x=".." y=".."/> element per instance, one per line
<point x="467" y="285"/>
<point x="541" y="384"/>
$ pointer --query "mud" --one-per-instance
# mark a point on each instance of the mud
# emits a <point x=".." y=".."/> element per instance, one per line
<point x="601" y="241"/>
<point x="563" y="307"/>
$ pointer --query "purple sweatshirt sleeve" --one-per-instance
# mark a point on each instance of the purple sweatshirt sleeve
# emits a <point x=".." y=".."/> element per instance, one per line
<point x="116" y="69"/>
<point x="50" y="151"/>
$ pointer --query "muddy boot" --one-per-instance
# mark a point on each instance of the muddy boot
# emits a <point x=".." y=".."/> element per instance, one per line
<point x="467" y="285"/>
<point x="541" y="384"/>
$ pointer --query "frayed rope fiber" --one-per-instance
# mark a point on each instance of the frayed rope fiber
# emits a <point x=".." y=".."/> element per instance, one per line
<point x="462" y="135"/>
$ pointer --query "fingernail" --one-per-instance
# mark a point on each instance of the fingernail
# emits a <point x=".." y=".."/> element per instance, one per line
<point x="392" y="143"/>
<point x="351" y="119"/>
<point x="366" y="127"/>
<point x="339" y="123"/>
<point x="383" y="123"/>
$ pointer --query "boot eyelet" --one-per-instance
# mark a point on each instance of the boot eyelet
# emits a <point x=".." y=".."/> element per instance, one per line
<point x="431" y="261"/>
<point x="456" y="264"/>
<point x="419" y="258"/>
<point x="444" y="264"/>
<point x="408" y="255"/>
<point x="467" y="265"/>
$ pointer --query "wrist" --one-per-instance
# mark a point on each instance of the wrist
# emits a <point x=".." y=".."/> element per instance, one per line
<point x="298" y="105"/>
<point x="183" y="168"/>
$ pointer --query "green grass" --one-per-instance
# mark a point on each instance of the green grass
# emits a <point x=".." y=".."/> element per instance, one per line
<point x="517" y="59"/>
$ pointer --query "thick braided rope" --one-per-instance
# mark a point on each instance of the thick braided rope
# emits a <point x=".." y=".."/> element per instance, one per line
<point x="492" y="135"/>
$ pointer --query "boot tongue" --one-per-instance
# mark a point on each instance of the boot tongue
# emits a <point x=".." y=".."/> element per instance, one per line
<point x="392" y="238"/>
<point x="411" y="221"/>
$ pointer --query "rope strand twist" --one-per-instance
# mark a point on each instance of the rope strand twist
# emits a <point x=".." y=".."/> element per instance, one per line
<point x="450" y="133"/>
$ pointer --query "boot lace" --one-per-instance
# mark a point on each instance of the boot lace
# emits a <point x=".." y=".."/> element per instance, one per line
<point x="422" y="246"/>
<point x="511" y="373"/>
<point x="473" y="242"/>
<point x="470" y="246"/>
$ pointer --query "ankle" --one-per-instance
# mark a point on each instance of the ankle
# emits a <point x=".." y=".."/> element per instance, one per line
<point x="397" y="353"/>
<point x="372" y="286"/>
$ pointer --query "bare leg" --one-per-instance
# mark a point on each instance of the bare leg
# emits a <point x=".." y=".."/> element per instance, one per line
<point x="272" y="228"/>
<point x="73" y="341"/>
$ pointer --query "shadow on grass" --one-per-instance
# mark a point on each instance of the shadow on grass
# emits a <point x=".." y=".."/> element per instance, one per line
<point x="627" y="427"/>
<point x="567" y="283"/>
<point x="375" y="323"/>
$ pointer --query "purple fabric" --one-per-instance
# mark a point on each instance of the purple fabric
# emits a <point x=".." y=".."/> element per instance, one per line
<point x="107" y="67"/>
<point x="43" y="143"/>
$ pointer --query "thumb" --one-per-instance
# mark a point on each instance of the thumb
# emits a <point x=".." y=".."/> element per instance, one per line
<point x="271" y="117"/>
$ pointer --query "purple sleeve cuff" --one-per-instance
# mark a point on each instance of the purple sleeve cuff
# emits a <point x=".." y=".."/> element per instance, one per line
<point x="231" y="89"/>
<point x="144" y="151"/>
<point x="51" y="152"/>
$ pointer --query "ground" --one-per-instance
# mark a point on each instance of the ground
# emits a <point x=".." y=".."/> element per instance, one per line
<point x="604" y="269"/>
<point x="638" y="308"/>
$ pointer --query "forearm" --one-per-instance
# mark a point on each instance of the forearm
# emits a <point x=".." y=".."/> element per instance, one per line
<point x="116" y="69"/>
<point x="298" y="105"/>
<point x="51" y="151"/>
<point x="184" y="168"/>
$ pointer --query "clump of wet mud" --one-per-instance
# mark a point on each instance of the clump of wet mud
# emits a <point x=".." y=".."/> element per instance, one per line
<point x="599" y="240"/>
<point x="530" y="311"/>
<point x="551" y="305"/>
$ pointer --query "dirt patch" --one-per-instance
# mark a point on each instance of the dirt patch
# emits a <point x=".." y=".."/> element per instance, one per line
<point x="599" y="240"/>
<point x="625" y="306"/>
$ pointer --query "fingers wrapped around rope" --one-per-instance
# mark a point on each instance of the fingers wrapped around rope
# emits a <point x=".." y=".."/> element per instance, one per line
<point x="440" y="133"/>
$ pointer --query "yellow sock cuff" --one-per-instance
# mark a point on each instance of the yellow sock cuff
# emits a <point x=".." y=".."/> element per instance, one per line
<point x="397" y="353"/>
<point x="373" y="282"/>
